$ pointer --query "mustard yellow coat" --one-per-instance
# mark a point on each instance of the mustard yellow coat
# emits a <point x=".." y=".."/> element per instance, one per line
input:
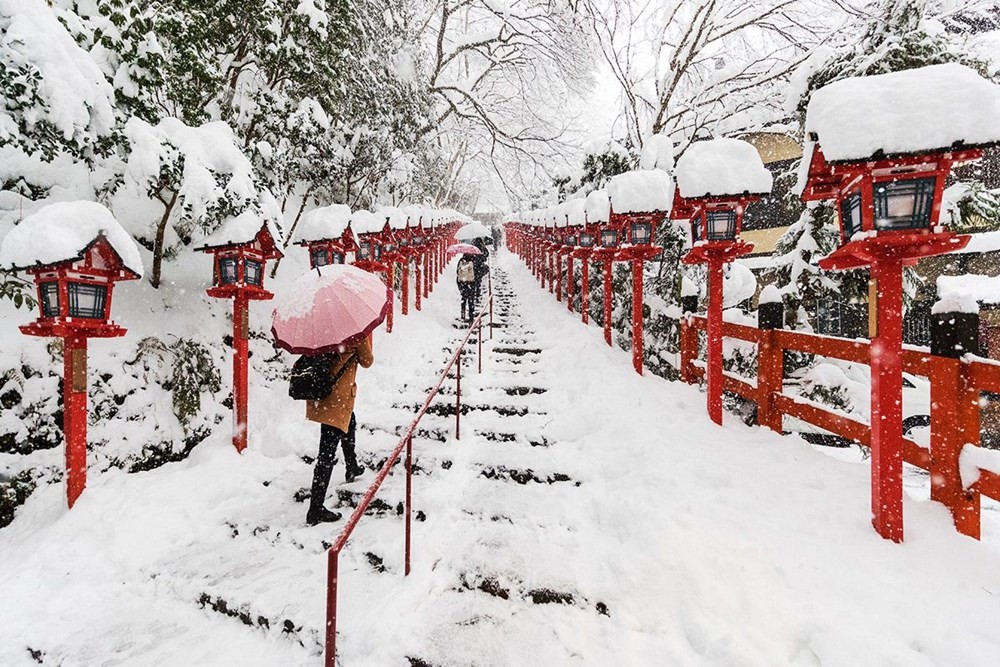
<point x="336" y="409"/>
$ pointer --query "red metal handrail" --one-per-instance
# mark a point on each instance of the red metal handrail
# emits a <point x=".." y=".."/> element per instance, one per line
<point x="406" y="440"/>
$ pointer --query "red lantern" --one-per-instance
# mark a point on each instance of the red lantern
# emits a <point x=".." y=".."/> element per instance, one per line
<point x="375" y="250"/>
<point x="75" y="253"/>
<point x="240" y="250"/>
<point x="327" y="233"/>
<point x="886" y="179"/>
<point x="640" y="201"/>
<point x="716" y="181"/>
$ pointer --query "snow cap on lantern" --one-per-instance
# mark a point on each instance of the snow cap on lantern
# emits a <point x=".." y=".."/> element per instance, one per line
<point x="598" y="211"/>
<point x="721" y="168"/>
<point x="576" y="219"/>
<point x="639" y="202"/>
<point x="326" y="231"/>
<point x="716" y="180"/>
<point x="373" y="233"/>
<point x="75" y="251"/>
<point x="882" y="147"/>
<point x="241" y="248"/>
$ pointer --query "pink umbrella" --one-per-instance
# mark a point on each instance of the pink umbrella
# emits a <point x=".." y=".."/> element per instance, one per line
<point x="464" y="249"/>
<point x="330" y="308"/>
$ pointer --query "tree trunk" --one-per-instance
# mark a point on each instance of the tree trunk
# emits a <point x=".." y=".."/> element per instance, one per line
<point x="161" y="231"/>
<point x="291" y="230"/>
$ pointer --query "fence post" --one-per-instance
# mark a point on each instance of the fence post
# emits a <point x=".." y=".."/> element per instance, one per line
<point x="333" y="558"/>
<point x="409" y="501"/>
<point x="458" y="397"/>
<point x="770" y="363"/>
<point x="954" y="415"/>
<point x="479" y="344"/>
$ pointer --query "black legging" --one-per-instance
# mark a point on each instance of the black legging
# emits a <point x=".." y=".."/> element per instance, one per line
<point x="467" y="290"/>
<point x="329" y="438"/>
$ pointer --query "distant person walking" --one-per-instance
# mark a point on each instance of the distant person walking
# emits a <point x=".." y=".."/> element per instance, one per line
<point x="465" y="276"/>
<point x="482" y="267"/>
<point x="335" y="414"/>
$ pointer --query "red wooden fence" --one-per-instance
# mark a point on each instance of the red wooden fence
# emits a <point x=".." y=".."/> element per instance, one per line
<point x="956" y="385"/>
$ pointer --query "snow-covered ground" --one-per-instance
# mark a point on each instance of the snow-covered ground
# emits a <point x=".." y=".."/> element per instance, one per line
<point x="587" y="516"/>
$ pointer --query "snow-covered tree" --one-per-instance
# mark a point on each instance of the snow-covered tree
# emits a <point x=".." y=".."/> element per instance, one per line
<point x="794" y="266"/>
<point x="181" y="182"/>
<point x="897" y="35"/>
<point x="500" y="76"/>
<point x="708" y="67"/>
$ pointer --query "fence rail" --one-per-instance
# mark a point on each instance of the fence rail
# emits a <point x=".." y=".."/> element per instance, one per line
<point x="405" y="442"/>
<point x="956" y="386"/>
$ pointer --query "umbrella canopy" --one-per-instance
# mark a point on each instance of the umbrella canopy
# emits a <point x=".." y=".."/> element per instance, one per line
<point x="331" y="307"/>
<point x="473" y="230"/>
<point x="464" y="249"/>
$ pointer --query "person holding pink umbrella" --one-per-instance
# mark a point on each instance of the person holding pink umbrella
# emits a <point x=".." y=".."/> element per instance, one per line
<point x="328" y="318"/>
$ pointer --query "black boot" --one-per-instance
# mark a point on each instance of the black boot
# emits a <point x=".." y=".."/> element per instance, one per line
<point x="353" y="472"/>
<point x="319" y="514"/>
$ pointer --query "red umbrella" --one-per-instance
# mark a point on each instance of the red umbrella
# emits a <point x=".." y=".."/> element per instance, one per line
<point x="330" y="308"/>
<point x="464" y="249"/>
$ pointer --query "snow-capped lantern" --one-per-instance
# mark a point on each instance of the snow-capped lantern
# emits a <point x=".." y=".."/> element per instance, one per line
<point x="75" y="253"/>
<point x="639" y="203"/>
<point x="880" y="148"/>
<point x="375" y="252"/>
<point x="327" y="234"/>
<point x="241" y="249"/>
<point x="716" y="181"/>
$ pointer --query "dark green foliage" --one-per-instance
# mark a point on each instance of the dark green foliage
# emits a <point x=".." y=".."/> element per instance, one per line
<point x="17" y="290"/>
<point x="185" y="368"/>
<point x="13" y="492"/>
<point x="978" y="210"/>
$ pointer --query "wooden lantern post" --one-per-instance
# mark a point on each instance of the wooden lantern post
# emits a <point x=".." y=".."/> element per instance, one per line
<point x="240" y="252"/>
<point x="74" y="282"/>
<point x="888" y="193"/>
<point x="375" y="244"/>
<point x="716" y="181"/>
<point x="639" y="202"/>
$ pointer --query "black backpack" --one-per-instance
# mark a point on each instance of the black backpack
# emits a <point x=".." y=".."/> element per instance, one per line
<point x="310" y="379"/>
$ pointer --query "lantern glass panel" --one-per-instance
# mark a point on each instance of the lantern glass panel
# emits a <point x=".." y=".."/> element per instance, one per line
<point x="904" y="204"/>
<point x="586" y="240"/>
<point x="641" y="232"/>
<point x="319" y="258"/>
<point x="87" y="301"/>
<point x="609" y="238"/>
<point x="378" y="252"/>
<point x="338" y="258"/>
<point x="227" y="270"/>
<point x="403" y="243"/>
<point x="252" y="271"/>
<point x="50" y="298"/>
<point x="850" y="215"/>
<point x="364" y="250"/>
<point x="696" y="229"/>
<point x="570" y="240"/>
<point x="721" y="225"/>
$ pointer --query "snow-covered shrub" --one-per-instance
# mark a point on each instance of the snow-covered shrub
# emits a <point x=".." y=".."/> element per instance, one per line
<point x="971" y="207"/>
<point x="30" y="409"/>
<point x="13" y="492"/>
<point x="185" y="368"/>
